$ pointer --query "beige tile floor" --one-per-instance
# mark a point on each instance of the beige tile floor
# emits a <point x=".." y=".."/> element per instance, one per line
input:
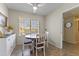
<point x="68" y="50"/>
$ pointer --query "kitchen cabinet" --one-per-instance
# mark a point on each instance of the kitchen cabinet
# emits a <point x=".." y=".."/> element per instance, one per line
<point x="7" y="45"/>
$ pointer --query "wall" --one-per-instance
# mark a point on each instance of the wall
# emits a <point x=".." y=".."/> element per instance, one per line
<point x="14" y="18"/>
<point x="54" y="24"/>
<point x="76" y="28"/>
<point x="69" y="34"/>
<point x="3" y="9"/>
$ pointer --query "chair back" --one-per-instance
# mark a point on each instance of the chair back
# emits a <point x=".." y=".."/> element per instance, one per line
<point x="40" y="43"/>
<point x="40" y="39"/>
<point x="46" y="35"/>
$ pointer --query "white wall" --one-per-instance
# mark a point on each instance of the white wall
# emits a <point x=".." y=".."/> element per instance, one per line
<point x="3" y="9"/>
<point x="14" y="18"/>
<point x="54" y="24"/>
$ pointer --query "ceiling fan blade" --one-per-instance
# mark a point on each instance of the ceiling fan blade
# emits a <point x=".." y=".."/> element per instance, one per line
<point x="37" y="4"/>
<point x="41" y="4"/>
<point x="30" y="4"/>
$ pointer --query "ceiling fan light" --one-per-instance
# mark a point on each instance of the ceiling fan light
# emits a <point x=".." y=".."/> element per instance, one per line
<point x="35" y="8"/>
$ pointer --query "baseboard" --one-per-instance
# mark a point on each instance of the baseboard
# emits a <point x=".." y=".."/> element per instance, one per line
<point x="55" y="45"/>
<point x="70" y="42"/>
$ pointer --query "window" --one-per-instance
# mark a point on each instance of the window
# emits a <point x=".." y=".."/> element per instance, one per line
<point x="34" y="26"/>
<point x="27" y="25"/>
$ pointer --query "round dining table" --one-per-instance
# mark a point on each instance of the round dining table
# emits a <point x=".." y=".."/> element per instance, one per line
<point x="31" y="36"/>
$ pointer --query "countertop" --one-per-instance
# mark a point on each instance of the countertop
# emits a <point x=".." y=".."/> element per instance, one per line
<point x="7" y="35"/>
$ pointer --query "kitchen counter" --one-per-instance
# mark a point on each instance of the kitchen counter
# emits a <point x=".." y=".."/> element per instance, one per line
<point x="7" y="35"/>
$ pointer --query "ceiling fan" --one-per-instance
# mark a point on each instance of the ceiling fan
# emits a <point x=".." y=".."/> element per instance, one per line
<point x="36" y="6"/>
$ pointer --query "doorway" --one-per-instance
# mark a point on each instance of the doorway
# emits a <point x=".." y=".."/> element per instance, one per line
<point x="71" y="32"/>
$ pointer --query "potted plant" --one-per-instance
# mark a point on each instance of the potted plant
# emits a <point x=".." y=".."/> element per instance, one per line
<point x="10" y="28"/>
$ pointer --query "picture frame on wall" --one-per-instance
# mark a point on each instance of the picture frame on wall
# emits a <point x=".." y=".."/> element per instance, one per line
<point x="3" y="20"/>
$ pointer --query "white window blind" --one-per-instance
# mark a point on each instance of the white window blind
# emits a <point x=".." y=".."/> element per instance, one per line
<point x="28" y="25"/>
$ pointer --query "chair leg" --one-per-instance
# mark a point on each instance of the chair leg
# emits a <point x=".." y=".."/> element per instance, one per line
<point x="44" y="50"/>
<point x="33" y="50"/>
<point x="36" y="52"/>
<point x="33" y="47"/>
<point x="23" y="50"/>
<point x="47" y="43"/>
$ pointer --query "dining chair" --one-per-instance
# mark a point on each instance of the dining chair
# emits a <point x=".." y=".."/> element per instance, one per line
<point x="40" y="43"/>
<point x="29" y="42"/>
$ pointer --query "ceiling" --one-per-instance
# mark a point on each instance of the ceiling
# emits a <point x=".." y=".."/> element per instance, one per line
<point x="44" y="10"/>
<point x="71" y="13"/>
